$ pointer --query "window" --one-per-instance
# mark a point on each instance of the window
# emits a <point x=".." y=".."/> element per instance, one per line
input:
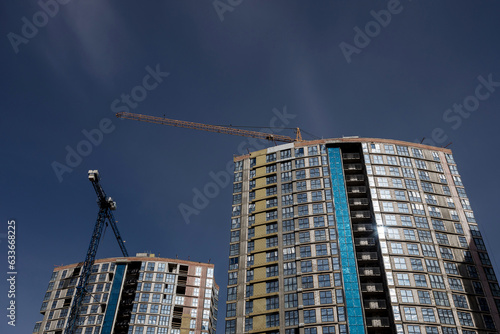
<point x="271" y="157"/>
<point x="406" y="296"/>
<point x="451" y="268"/>
<point x="306" y="266"/>
<point x="460" y="301"/>
<point x="291" y="318"/>
<point x="272" y="256"/>
<point x="288" y="225"/>
<point x="428" y="315"/>
<point x="421" y="222"/>
<point x="324" y="280"/>
<point x="291" y="300"/>
<point x="250" y="247"/>
<point x="417" y="209"/>
<point x="403" y="279"/>
<point x="413" y="249"/>
<point x="437" y="281"/>
<point x="320" y="235"/>
<point x="290" y="284"/>
<point x="289" y="268"/>
<point x="286" y="154"/>
<point x="286" y="188"/>
<point x="420" y="280"/>
<point x="321" y="250"/>
<point x="323" y="265"/>
<point x="272" y="242"/>
<point x="319" y="221"/>
<point x="325" y="297"/>
<point x="289" y="253"/>
<point x="307" y="282"/>
<point x="432" y="266"/>
<point x="446" y="316"/>
<point x="409" y="234"/>
<point x="441" y="298"/>
<point x="396" y="248"/>
<point x="288" y="239"/>
<point x="424" y="297"/>
<point x="309" y="316"/>
<point x="304" y="237"/>
<point x="271" y="215"/>
<point x="231" y="293"/>
<point x="313" y="161"/>
<point x="235" y="236"/>
<point x="399" y="263"/>
<point x="308" y="298"/>
<point x="327" y="315"/>
<point x="303" y="210"/>
<point x="272" y="271"/>
<point x="416" y="264"/>
<point x="272" y="303"/>
<point x="465" y="319"/>
<point x="410" y="313"/>
<point x="455" y="284"/>
<point x="305" y="251"/>
<point x="272" y="320"/>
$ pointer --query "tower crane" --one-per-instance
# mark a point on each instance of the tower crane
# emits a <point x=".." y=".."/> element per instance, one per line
<point x="104" y="217"/>
<point x="211" y="128"/>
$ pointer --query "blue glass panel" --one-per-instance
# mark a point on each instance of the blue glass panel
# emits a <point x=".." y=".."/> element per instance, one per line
<point x="113" y="299"/>
<point x="347" y="255"/>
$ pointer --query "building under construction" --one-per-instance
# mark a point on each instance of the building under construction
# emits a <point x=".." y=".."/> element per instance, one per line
<point x="142" y="294"/>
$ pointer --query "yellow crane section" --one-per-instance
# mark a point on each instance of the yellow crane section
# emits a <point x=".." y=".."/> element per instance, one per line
<point x="211" y="128"/>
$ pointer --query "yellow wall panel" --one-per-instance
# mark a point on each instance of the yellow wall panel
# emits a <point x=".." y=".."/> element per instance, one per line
<point x="259" y="273"/>
<point x="260" y="160"/>
<point x="260" y="231"/>
<point x="261" y="182"/>
<point x="260" y="193"/>
<point x="259" y="289"/>
<point x="259" y="305"/>
<point x="260" y="171"/>
<point x="259" y="322"/>
<point x="260" y="244"/>
<point x="260" y="218"/>
<point x="260" y="259"/>
<point x="260" y="206"/>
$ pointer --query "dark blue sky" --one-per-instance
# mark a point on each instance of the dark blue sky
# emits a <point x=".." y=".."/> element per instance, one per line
<point x="69" y="74"/>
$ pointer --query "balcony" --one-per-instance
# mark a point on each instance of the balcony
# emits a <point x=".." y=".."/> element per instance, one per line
<point x="360" y="214"/>
<point x="375" y="304"/>
<point x="372" y="287"/>
<point x="351" y="156"/>
<point x="367" y="256"/>
<point x="368" y="272"/>
<point x="377" y="322"/>
<point x="353" y="167"/>
<point x="356" y="190"/>
<point x="358" y="201"/>
<point x="362" y="227"/>
<point x="355" y="178"/>
<point x="364" y="241"/>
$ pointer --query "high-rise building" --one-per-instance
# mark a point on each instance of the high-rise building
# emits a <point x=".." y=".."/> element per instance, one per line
<point x="134" y="295"/>
<point x="356" y="235"/>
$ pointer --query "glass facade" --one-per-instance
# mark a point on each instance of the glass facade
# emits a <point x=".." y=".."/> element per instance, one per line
<point x="359" y="236"/>
<point x="137" y="295"/>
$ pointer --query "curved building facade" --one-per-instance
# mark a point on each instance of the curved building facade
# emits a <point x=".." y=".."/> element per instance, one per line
<point x="134" y="295"/>
<point x="356" y="235"/>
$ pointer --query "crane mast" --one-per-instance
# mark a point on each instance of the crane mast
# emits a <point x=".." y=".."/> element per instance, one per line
<point x="211" y="128"/>
<point x="104" y="217"/>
